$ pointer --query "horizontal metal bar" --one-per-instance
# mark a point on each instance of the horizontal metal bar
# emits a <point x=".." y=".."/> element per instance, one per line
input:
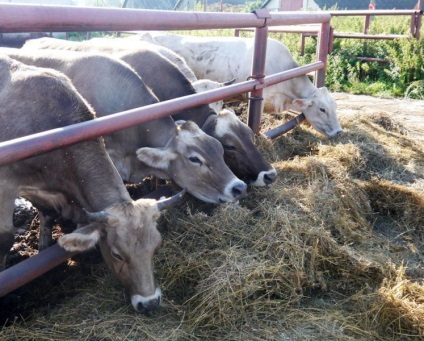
<point x="374" y="12"/>
<point x="284" y="128"/>
<point x="313" y="32"/>
<point x="289" y="29"/>
<point x="296" y="72"/>
<point x="370" y="36"/>
<point x="29" y="269"/>
<point x="371" y="59"/>
<point x="24" y="147"/>
<point x="35" y="266"/>
<point x="32" y="18"/>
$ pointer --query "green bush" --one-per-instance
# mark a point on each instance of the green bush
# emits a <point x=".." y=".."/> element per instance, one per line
<point x="401" y="75"/>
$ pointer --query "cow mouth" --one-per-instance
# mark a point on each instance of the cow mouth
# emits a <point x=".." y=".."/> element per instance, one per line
<point x="216" y="201"/>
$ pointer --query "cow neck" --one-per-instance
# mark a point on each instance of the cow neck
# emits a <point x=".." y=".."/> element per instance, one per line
<point x="98" y="182"/>
<point x="209" y="119"/>
<point x="301" y="87"/>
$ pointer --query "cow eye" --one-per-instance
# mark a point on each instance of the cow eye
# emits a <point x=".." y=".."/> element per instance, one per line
<point x="195" y="159"/>
<point x="226" y="147"/>
<point x="117" y="256"/>
<point x="322" y="110"/>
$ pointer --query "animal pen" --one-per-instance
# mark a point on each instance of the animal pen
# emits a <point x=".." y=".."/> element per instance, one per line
<point x="27" y="18"/>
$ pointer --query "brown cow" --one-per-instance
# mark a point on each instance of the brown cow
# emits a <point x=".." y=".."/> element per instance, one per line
<point x="241" y="154"/>
<point x="183" y="153"/>
<point x="74" y="179"/>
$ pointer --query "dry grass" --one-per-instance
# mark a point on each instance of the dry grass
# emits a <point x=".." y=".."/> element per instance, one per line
<point x="331" y="251"/>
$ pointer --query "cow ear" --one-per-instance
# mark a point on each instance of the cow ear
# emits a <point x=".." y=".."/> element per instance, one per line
<point x="301" y="103"/>
<point x="81" y="239"/>
<point x="157" y="158"/>
<point x="324" y="90"/>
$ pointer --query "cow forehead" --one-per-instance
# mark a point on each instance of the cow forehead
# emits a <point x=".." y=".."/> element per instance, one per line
<point x="188" y="135"/>
<point x="325" y="98"/>
<point x="200" y="143"/>
<point x="228" y="124"/>
<point x="141" y="214"/>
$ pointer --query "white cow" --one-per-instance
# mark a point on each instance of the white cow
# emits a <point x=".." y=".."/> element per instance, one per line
<point x="221" y="58"/>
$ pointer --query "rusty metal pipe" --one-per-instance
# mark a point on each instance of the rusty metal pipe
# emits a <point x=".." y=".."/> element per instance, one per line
<point x="258" y="72"/>
<point x="24" y="147"/>
<point x="284" y="128"/>
<point x="32" y="18"/>
<point x="374" y="12"/>
<point x="292" y="73"/>
<point x="322" y="53"/>
<point x="29" y="269"/>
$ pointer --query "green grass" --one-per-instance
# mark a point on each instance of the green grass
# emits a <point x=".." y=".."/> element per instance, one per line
<point x="401" y="77"/>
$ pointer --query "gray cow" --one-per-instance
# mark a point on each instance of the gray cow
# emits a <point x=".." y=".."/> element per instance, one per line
<point x="183" y="153"/>
<point x="168" y="82"/>
<point x="74" y="181"/>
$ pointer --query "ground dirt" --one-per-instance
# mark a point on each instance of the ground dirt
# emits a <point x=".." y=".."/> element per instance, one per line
<point x="406" y="112"/>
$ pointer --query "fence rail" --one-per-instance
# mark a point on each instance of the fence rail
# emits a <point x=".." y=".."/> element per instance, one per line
<point x="29" y="18"/>
<point x="313" y="30"/>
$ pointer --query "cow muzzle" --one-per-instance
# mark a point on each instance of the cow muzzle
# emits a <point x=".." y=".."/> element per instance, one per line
<point x="265" y="178"/>
<point x="235" y="190"/>
<point x="143" y="304"/>
<point x="335" y="132"/>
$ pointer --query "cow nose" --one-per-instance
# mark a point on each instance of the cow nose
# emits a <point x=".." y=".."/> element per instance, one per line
<point x="269" y="178"/>
<point x="145" y="304"/>
<point x="239" y="190"/>
<point x="145" y="307"/>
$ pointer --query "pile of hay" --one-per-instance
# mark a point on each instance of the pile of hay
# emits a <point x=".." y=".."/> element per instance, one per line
<point x="332" y="250"/>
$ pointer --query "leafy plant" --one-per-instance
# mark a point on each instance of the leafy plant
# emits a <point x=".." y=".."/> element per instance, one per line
<point x="250" y="6"/>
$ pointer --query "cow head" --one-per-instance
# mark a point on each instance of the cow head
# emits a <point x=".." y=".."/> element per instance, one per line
<point x="320" y="112"/>
<point x="194" y="161"/>
<point x="202" y="85"/>
<point x="240" y="153"/>
<point x="128" y="239"/>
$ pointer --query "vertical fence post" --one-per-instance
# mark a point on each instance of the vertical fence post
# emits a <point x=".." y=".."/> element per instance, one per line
<point x="418" y="25"/>
<point x="416" y="20"/>
<point x="322" y="52"/>
<point x="367" y="23"/>
<point x="302" y="44"/>
<point x="258" y="71"/>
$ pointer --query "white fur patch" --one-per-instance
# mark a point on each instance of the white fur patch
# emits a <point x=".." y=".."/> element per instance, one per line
<point x="136" y="299"/>
<point x="186" y="135"/>
<point x="224" y="123"/>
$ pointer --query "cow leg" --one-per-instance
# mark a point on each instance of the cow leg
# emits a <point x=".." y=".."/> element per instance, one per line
<point x="7" y="236"/>
<point x="46" y="226"/>
<point x="6" y="243"/>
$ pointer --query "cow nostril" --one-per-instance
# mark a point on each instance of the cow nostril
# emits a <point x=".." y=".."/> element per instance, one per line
<point x="270" y="178"/>
<point x="340" y="132"/>
<point x="148" y="306"/>
<point x="239" y="190"/>
<point x="141" y="308"/>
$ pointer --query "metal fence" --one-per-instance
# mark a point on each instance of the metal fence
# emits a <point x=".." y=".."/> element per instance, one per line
<point x="29" y="18"/>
